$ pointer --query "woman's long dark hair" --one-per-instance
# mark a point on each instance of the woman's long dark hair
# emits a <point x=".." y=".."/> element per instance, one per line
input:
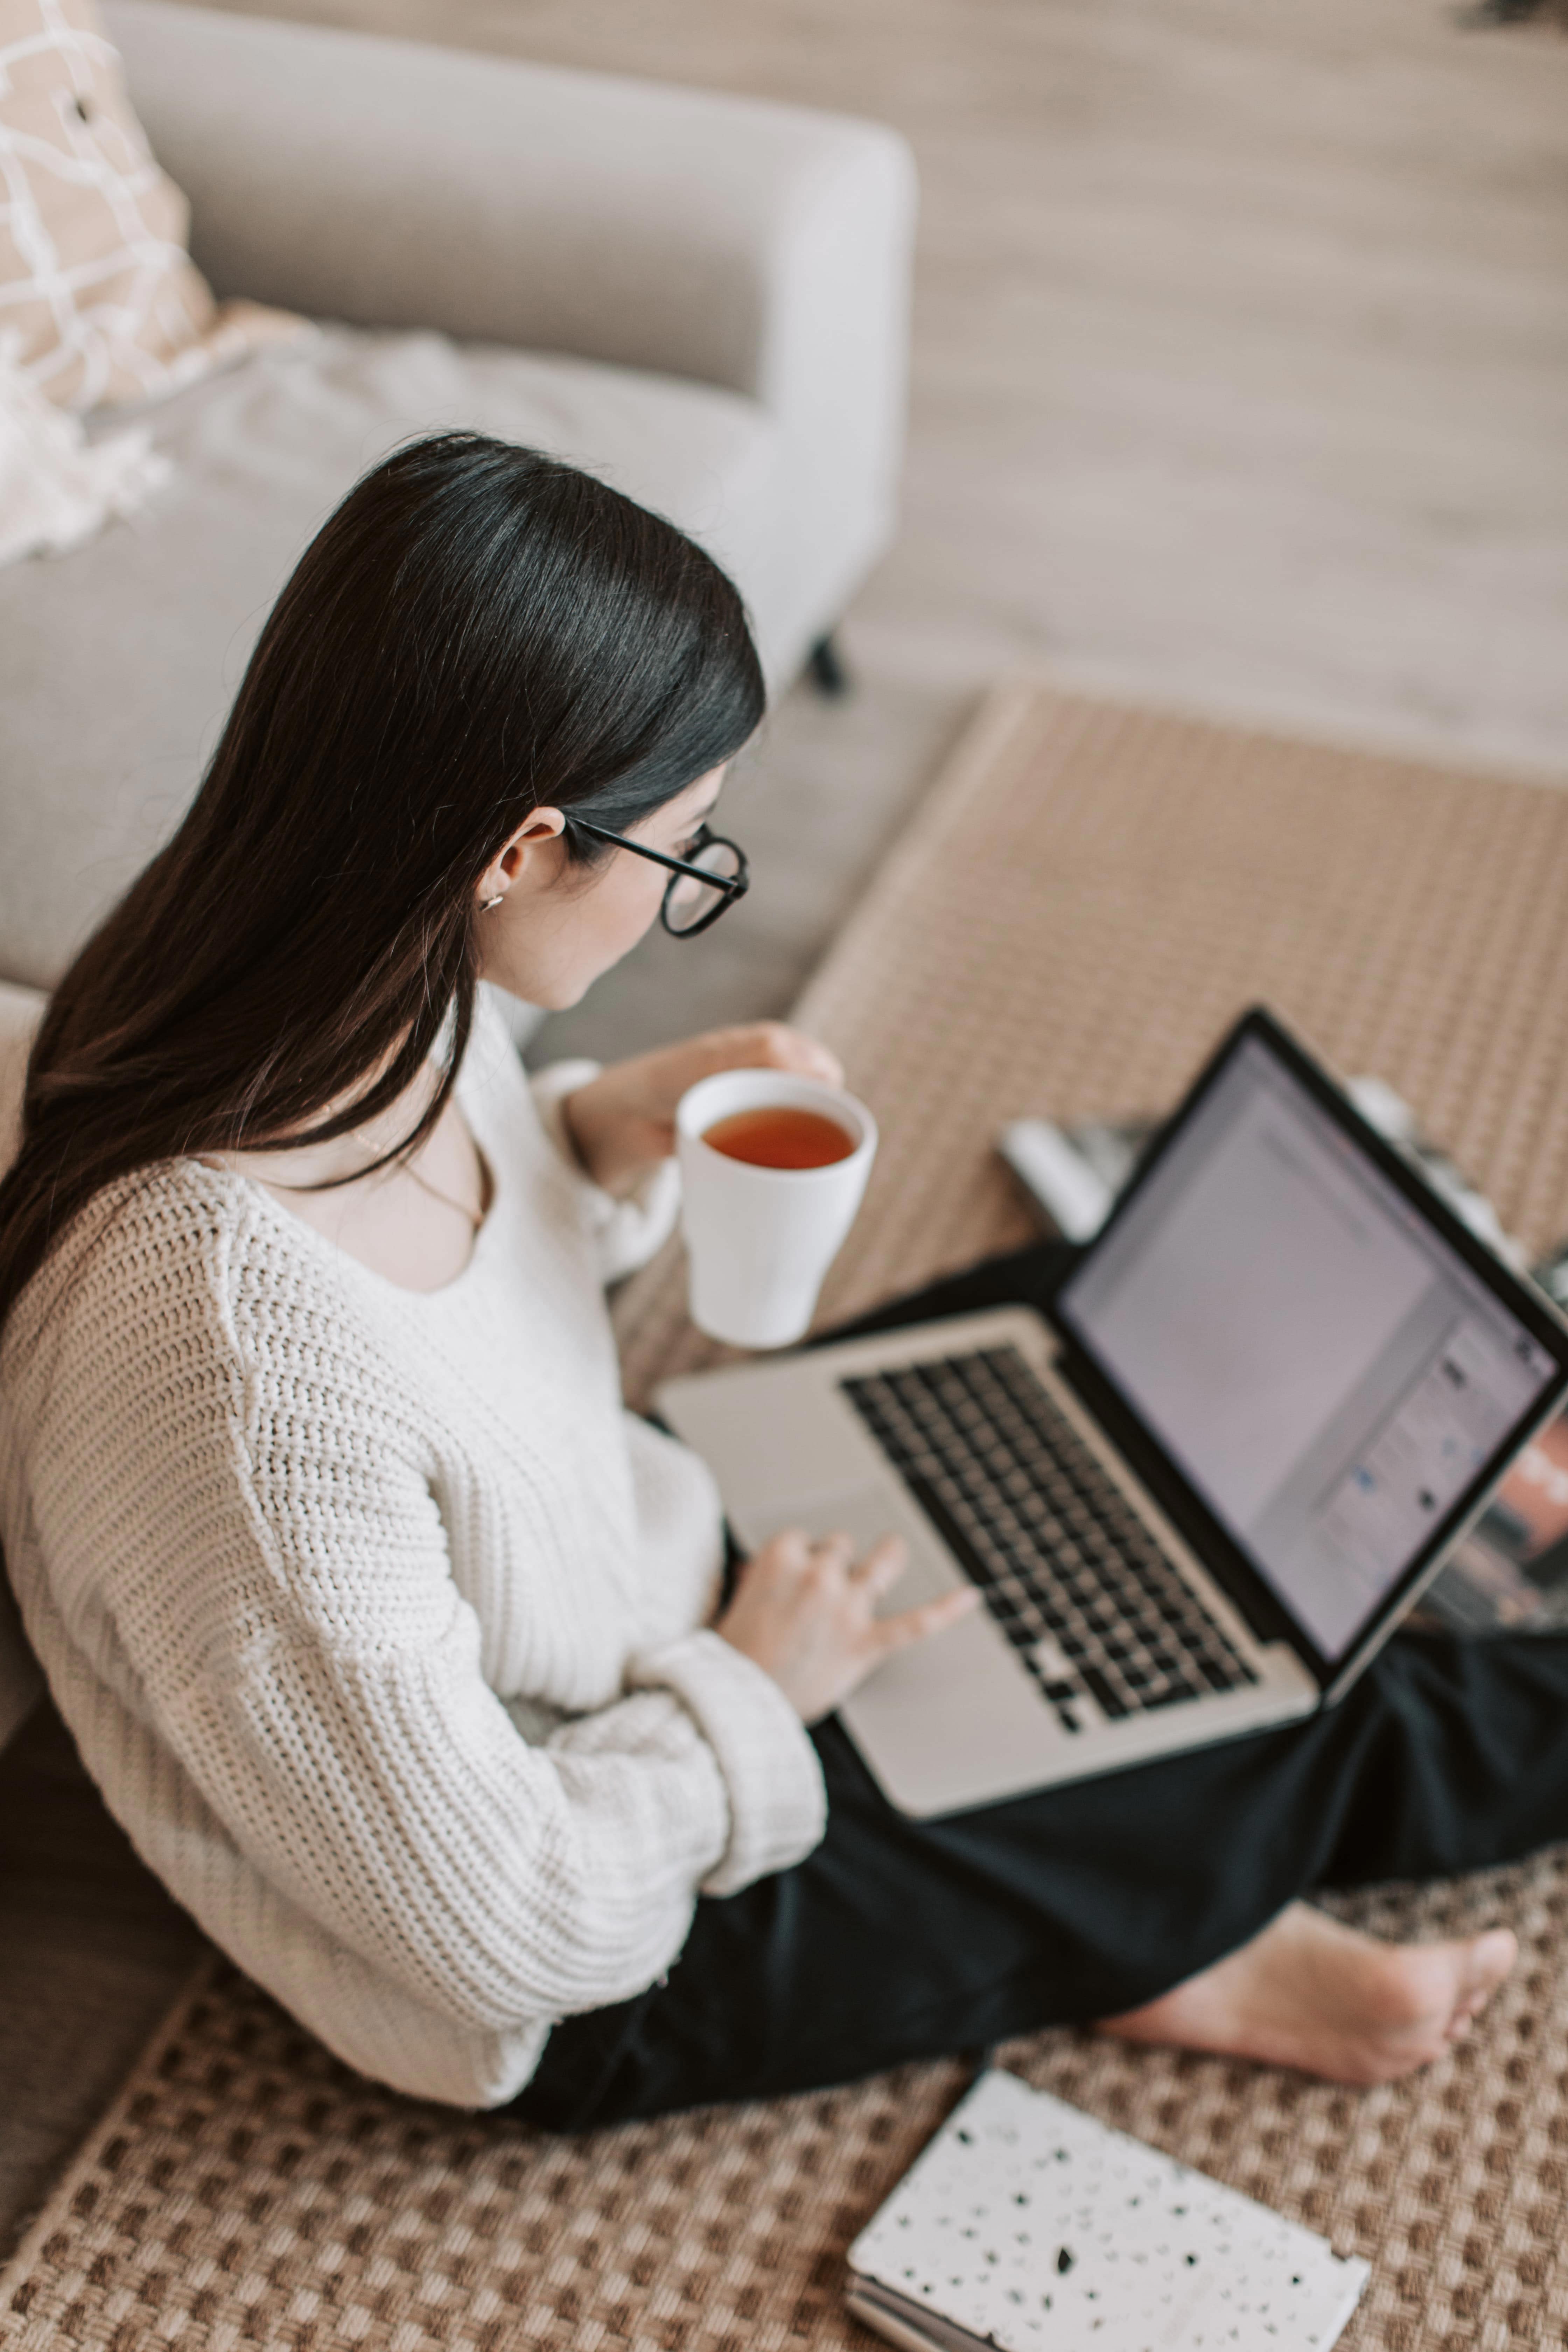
<point x="478" y="631"/>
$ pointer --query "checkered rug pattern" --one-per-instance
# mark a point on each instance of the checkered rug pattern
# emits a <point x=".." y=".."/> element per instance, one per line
<point x="1087" y="897"/>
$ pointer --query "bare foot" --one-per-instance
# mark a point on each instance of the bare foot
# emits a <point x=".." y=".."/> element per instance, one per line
<point x="1312" y="1993"/>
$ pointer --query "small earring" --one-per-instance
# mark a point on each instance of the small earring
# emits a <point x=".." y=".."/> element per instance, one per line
<point x="486" y="904"/>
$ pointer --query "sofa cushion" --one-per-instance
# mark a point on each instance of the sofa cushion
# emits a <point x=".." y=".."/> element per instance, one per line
<point x="99" y="299"/>
<point x="117" y="661"/>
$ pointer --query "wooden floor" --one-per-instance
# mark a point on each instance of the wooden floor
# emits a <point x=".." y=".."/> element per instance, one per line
<point x="1241" y="384"/>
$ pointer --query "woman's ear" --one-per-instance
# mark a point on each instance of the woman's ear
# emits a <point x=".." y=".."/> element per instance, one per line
<point x="519" y="859"/>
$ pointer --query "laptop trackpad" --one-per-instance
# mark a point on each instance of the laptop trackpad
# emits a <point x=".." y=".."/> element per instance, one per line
<point x="866" y="1512"/>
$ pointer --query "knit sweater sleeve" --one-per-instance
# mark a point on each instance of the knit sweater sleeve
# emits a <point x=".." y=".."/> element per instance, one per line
<point x="281" y="1606"/>
<point x="383" y="1791"/>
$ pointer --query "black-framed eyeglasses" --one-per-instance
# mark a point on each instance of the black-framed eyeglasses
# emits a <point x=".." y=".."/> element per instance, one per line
<point x="699" y="888"/>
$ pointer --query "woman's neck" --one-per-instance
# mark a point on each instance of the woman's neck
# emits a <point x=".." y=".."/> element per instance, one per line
<point x="412" y="1219"/>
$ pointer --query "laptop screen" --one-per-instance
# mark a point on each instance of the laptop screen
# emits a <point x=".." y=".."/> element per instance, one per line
<point x="1312" y="1351"/>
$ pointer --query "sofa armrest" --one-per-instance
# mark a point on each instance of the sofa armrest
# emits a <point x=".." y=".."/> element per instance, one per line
<point x="21" y="1010"/>
<point x="392" y="184"/>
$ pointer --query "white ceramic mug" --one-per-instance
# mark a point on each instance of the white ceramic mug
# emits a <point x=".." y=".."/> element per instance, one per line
<point x="760" y="1240"/>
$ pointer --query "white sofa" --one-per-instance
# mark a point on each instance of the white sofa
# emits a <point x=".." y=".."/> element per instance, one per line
<point x="702" y="298"/>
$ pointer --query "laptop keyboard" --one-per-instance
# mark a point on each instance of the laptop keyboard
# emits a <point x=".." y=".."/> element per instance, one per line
<point x="1068" y="1569"/>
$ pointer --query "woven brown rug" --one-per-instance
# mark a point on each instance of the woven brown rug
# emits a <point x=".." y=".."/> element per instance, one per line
<point x="1087" y="898"/>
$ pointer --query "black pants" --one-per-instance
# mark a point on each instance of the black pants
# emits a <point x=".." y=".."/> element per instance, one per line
<point x="901" y="1940"/>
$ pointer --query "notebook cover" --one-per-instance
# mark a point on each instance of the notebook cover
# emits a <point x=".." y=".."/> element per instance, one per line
<point x="1033" y="2228"/>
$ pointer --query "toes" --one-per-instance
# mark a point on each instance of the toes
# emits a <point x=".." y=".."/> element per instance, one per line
<point x="1490" y="1960"/>
<point x="1487" y="1961"/>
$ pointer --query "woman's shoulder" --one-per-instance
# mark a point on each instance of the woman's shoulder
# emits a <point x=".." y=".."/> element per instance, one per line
<point x="150" y="1233"/>
<point x="158" y="1279"/>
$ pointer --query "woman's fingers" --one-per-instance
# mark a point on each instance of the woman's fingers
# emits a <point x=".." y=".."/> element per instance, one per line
<point x="812" y="1059"/>
<point x="882" y="1566"/>
<point x="918" y="1624"/>
<point x="833" y="1552"/>
<point x="798" y="1550"/>
<point x="790" y="1543"/>
<point x="803" y="1610"/>
<point x="771" y="1045"/>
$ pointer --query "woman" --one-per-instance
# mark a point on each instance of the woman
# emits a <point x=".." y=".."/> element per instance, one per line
<point x="394" y="1643"/>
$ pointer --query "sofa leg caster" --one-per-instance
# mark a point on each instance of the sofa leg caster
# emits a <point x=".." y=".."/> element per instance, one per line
<point x="825" y="667"/>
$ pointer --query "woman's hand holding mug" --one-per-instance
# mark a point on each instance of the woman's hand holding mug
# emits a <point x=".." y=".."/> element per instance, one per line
<point x="623" y="1122"/>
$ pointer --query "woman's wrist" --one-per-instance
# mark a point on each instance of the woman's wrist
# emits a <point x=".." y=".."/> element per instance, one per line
<point x="574" y="1127"/>
<point x="590" y="1125"/>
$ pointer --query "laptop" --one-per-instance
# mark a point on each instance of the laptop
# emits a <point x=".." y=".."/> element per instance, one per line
<point x="1201" y="1489"/>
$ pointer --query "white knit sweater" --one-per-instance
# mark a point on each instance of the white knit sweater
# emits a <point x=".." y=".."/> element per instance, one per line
<point x="376" y="1618"/>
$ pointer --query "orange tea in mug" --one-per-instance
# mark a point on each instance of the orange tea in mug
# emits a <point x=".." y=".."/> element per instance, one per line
<point x="777" y="1135"/>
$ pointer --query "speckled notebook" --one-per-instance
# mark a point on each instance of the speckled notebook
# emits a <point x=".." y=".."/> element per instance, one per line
<point x="1030" y="2227"/>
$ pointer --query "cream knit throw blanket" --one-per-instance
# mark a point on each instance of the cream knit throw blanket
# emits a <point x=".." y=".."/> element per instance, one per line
<point x="376" y="1619"/>
<point x="56" y="488"/>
